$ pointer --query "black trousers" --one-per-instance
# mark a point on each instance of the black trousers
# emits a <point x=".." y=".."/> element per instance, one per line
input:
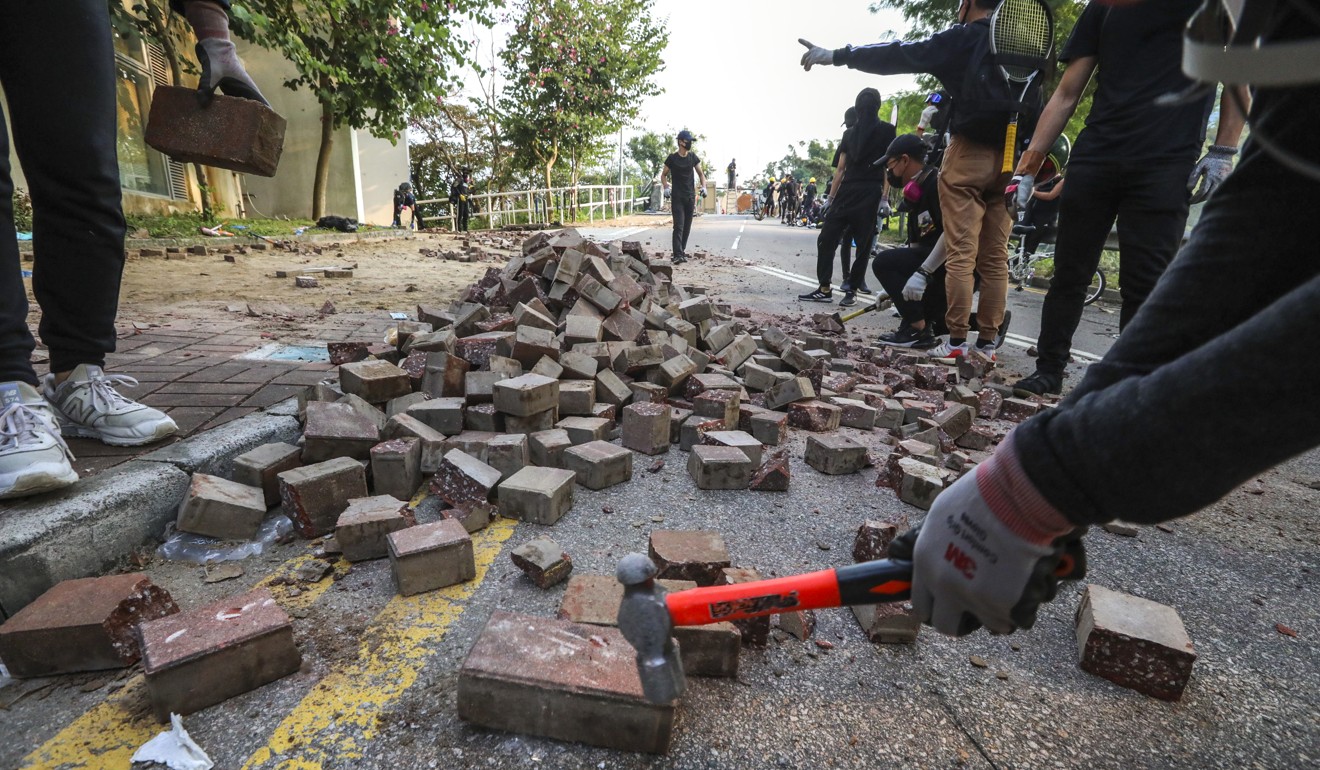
<point x="853" y="213"/>
<point x="682" y="209"/>
<point x="464" y="211"/>
<point x="1149" y="200"/>
<point x="893" y="268"/>
<point x="845" y="251"/>
<point x="62" y="114"/>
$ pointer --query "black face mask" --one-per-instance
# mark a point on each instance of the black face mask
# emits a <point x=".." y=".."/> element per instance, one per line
<point x="894" y="179"/>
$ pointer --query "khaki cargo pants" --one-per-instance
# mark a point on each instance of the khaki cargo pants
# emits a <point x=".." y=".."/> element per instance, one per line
<point x="976" y="230"/>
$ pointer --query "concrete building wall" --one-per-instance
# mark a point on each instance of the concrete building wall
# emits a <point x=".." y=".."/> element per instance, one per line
<point x="383" y="167"/>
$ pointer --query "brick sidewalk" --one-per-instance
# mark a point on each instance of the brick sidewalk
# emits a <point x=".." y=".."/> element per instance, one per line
<point x="190" y="368"/>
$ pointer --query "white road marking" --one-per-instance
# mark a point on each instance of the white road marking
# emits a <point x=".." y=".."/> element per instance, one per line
<point x="735" y="242"/>
<point x="1026" y="342"/>
<point x="743" y="227"/>
<point x="614" y="235"/>
<point x="786" y="276"/>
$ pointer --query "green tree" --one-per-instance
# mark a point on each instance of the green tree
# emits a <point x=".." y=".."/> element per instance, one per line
<point x="815" y="163"/>
<point x="575" y="71"/>
<point x="649" y="151"/>
<point x="368" y="62"/>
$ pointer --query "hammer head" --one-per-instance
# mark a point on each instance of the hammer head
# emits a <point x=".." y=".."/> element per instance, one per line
<point x="644" y="621"/>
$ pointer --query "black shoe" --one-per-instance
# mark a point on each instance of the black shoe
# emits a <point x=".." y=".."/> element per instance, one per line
<point x="849" y="299"/>
<point x="1003" y="329"/>
<point x="845" y="287"/>
<point x="1039" y="384"/>
<point x="819" y="295"/>
<point x="680" y="259"/>
<point x="864" y="289"/>
<point x="907" y="337"/>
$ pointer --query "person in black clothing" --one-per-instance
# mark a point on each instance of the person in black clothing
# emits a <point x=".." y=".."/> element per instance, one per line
<point x="679" y="167"/>
<point x="809" y="195"/>
<point x="846" y="240"/>
<point x="975" y="220"/>
<point x="733" y="174"/>
<point x="458" y="198"/>
<point x="1131" y="163"/>
<point x="769" y="203"/>
<point x="405" y="199"/>
<point x="398" y="205"/>
<point x="923" y="313"/>
<point x="854" y="204"/>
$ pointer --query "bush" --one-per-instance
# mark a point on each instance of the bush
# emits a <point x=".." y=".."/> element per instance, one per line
<point x="22" y="210"/>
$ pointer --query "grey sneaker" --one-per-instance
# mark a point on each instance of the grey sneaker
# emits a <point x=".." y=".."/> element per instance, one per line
<point x="90" y="407"/>
<point x="33" y="456"/>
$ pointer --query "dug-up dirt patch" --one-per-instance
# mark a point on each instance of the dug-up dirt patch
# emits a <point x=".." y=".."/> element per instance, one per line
<point x="387" y="275"/>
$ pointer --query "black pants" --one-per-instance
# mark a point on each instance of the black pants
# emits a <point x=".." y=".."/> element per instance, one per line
<point x="1149" y="201"/>
<point x="853" y="213"/>
<point x="845" y="251"/>
<point x="62" y="113"/>
<point x="1213" y="381"/>
<point x="893" y="268"/>
<point x="464" y="211"/>
<point x="398" y="212"/>
<point x="682" y="208"/>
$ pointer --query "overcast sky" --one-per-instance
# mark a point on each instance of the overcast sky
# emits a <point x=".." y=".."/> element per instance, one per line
<point x="732" y="75"/>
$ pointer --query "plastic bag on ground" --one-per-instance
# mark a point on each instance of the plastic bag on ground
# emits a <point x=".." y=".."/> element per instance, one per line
<point x="174" y="749"/>
<point x="200" y="549"/>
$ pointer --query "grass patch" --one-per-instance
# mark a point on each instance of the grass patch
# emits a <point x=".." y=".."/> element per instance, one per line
<point x="189" y="225"/>
<point x="1108" y="264"/>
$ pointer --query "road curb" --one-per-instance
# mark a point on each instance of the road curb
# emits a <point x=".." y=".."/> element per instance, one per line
<point x="85" y="529"/>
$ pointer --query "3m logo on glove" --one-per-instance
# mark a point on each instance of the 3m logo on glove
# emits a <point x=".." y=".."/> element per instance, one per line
<point x="960" y="561"/>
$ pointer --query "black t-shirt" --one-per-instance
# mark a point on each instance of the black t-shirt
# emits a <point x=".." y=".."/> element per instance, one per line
<point x="811" y="191"/>
<point x="681" y="169"/>
<point x="925" y="223"/>
<point x="1139" y="49"/>
<point x="863" y="151"/>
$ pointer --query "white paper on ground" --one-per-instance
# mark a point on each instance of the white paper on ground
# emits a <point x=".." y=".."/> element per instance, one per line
<point x="174" y="749"/>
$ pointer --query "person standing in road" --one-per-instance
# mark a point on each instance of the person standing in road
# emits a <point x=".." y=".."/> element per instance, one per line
<point x="1120" y="169"/>
<point x="680" y="167"/>
<point x="458" y="198"/>
<point x="770" y="186"/>
<point x="976" y="223"/>
<point x="856" y="200"/>
<point x="61" y="100"/>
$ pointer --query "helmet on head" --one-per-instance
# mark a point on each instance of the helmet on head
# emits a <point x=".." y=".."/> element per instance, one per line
<point x="686" y="136"/>
<point x="934" y="99"/>
<point x="1060" y="152"/>
<point x="813" y="180"/>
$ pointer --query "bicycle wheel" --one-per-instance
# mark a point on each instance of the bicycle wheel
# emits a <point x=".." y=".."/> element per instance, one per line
<point x="1097" y="287"/>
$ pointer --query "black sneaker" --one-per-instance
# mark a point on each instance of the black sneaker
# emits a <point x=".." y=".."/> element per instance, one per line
<point x="864" y="289"/>
<point x="845" y="287"/>
<point x="680" y="259"/>
<point x="819" y="295"/>
<point x="849" y="299"/>
<point x="1003" y="329"/>
<point x="907" y="337"/>
<point x="1039" y="384"/>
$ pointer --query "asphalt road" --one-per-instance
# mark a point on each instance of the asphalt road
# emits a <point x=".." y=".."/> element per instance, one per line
<point x="377" y="688"/>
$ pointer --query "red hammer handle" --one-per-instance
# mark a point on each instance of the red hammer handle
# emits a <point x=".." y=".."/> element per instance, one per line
<point x="885" y="580"/>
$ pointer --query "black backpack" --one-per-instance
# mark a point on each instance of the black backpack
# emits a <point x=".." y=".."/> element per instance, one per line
<point x="980" y="111"/>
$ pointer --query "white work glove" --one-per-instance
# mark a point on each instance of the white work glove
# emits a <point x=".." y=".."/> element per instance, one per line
<point x="221" y="68"/>
<point x="1210" y="170"/>
<point x="1018" y="194"/>
<point x="915" y="288"/>
<point x="886" y="210"/>
<point x="815" y="55"/>
<point x="970" y="570"/>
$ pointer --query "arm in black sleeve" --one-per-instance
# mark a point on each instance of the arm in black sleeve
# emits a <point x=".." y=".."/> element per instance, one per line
<point x="945" y="53"/>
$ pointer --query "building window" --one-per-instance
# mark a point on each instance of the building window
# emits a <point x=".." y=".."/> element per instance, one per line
<point x="141" y="169"/>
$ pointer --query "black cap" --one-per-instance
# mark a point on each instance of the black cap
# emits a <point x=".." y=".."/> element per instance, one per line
<point x="906" y="144"/>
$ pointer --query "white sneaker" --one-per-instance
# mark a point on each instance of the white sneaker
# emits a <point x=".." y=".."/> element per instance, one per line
<point x="945" y="350"/>
<point x="90" y="407"/>
<point x="33" y="456"/>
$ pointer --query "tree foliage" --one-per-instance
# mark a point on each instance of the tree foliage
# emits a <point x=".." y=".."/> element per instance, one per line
<point x="575" y="72"/>
<point x="649" y="151"/>
<point x="368" y="62"/>
<point x="814" y="163"/>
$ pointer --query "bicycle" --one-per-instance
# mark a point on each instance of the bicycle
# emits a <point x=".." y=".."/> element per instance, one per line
<point x="1021" y="263"/>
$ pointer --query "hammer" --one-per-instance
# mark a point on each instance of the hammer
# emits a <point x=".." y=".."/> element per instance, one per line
<point x="880" y="304"/>
<point x="648" y="613"/>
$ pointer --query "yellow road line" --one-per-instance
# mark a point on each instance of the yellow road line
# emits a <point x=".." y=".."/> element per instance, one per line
<point x="338" y="718"/>
<point x="108" y="733"/>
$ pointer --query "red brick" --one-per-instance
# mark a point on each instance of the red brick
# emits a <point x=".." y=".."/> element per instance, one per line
<point x="207" y="655"/>
<point x="696" y="555"/>
<point x="1134" y="642"/>
<point x="462" y="478"/>
<point x="545" y="563"/>
<point x="82" y="625"/>
<point x="816" y="416"/>
<point x="237" y="134"/>
<point x="560" y="680"/>
<point x="873" y="539"/>
<point x="773" y="476"/>
<point x="755" y="631"/>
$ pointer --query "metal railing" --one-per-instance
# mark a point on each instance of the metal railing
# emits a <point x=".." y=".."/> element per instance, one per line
<point x="559" y="204"/>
